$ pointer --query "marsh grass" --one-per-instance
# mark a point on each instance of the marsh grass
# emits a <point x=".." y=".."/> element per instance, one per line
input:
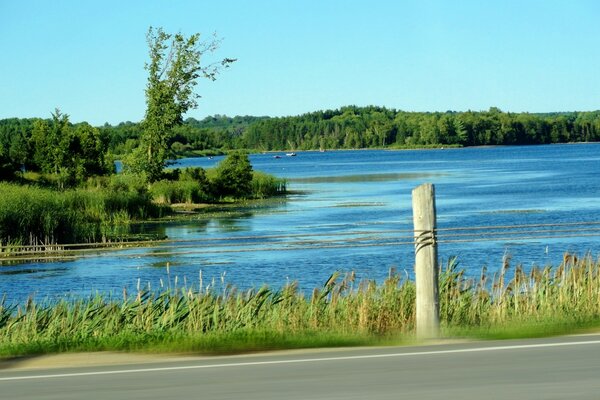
<point x="265" y="185"/>
<point x="182" y="191"/>
<point x="30" y="214"/>
<point x="188" y="189"/>
<point x="104" y="208"/>
<point x="545" y="301"/>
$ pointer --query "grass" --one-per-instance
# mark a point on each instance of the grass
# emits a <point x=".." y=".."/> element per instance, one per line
<point x="181" y="191"/>
<point x="343" y="312"/>
<point x="545" y="301"/>
<point x="106" y="206"/>
<point x="31" y="215"/>
<point x="265" y="185"/>
<point x="187" y="189"/>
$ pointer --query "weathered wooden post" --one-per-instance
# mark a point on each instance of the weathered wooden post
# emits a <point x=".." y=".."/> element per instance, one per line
<point x="426" y="269"/>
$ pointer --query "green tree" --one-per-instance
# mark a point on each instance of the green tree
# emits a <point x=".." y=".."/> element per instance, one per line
<point x="47" y="139"/>
<point x="173" y="72"/>
<point x="85" y="153"/>
<point x="234" y="176"/>
<point x="72" y="153"/>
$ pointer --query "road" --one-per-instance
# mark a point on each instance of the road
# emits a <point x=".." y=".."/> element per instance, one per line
<point x="558" y="368"/>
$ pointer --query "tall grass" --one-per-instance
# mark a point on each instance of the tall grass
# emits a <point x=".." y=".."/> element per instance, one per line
<point x="106" y="206"/>
<point x="343" y="311"/>
<point x="545" y="300"/>
<point x="181" y="191"/>
<point x="265" y="185"/>
<point x="32" y="214"/>
<point x="194" y="185"/>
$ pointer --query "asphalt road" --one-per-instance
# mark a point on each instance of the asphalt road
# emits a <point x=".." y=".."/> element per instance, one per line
<point x="558" y="368"/>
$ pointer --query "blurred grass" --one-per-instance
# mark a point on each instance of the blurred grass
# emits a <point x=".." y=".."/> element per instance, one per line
<point x="343" y="312"/>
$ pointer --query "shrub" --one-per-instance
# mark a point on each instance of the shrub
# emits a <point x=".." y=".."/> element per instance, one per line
<point x="234" y="176"/>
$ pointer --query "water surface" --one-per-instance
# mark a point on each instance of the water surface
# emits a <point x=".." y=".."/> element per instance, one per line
<point x="350" y="211"/>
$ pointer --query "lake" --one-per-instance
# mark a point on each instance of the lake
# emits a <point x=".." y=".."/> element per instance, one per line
<point x="351" y="211"/>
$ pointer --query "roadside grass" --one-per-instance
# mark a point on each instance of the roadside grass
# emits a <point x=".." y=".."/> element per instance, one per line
<point x="525" y="329"/>
<point x="212" y="343"/>
<point x="343" y="312"/>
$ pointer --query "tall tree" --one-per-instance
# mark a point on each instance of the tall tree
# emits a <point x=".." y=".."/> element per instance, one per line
<point x="173" y="72"/>
<point x="46" y="140"/>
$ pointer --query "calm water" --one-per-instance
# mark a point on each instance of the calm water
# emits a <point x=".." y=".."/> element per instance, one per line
<point x="347" y="206"/>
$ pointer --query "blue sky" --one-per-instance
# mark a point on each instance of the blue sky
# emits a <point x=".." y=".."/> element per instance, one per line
<point x="87" y="57"/>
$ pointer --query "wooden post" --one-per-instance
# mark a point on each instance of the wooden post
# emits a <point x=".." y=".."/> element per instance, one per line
<point x="426" y="269"/>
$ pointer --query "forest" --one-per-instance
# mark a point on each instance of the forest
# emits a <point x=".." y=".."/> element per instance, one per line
<point x="75" y="151"/>
<point x="379" y="127"/>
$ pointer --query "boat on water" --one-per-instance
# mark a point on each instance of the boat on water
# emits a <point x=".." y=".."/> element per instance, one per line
<point x="290" y="154"/>
<point x="276" y="156"/>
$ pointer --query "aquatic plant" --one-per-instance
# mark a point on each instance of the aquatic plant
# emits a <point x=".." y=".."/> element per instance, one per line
<point x="265" y="185"/>
<point x="31" y="214"/>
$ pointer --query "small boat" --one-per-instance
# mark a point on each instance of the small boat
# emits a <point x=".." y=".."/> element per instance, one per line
<point x="290" y="154"/>
<point x="276" y="156"/>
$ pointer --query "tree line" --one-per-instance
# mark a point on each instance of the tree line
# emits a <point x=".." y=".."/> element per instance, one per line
<point x="75" y="151"/>
<point x="354" y="127"/>
<point x="379" y="127"/>
<point x="69" y="152"/>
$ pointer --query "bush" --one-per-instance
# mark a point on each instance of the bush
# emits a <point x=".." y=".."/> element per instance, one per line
<point x="234" y="176"/>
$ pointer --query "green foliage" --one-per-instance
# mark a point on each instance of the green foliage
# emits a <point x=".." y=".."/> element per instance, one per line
<point x="32" y="144"/>
<point x="173" y="72"/>
<point x="46" y="139"/>
<point x="208" y="137"/>
<point x="234" y="176"/>
<point x="70" y="153"/>
<point x="378" y="127"/>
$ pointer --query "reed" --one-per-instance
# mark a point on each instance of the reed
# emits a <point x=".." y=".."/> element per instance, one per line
<point x="265" y="185"/>
<point x="546" y="300"/>
<point x="195" y="185"/>
<point x="30" y="214"/>
<point x="341" y="312"/>
<point x="182" y="191"/>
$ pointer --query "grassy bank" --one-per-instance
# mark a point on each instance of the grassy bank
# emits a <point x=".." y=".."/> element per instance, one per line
<point x="104" y="209"/>
<point x="194" y="185"/>
<point x="342" y="312"/>
<point x="31" y="214"/>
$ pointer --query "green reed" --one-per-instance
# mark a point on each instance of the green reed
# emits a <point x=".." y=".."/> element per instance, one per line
<point x="181" y="191"/>
<point x="265" y="185"/>
<point x="192" y="190"/>
<point x="30" y="214"/>
<point x="341" y="312"/>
